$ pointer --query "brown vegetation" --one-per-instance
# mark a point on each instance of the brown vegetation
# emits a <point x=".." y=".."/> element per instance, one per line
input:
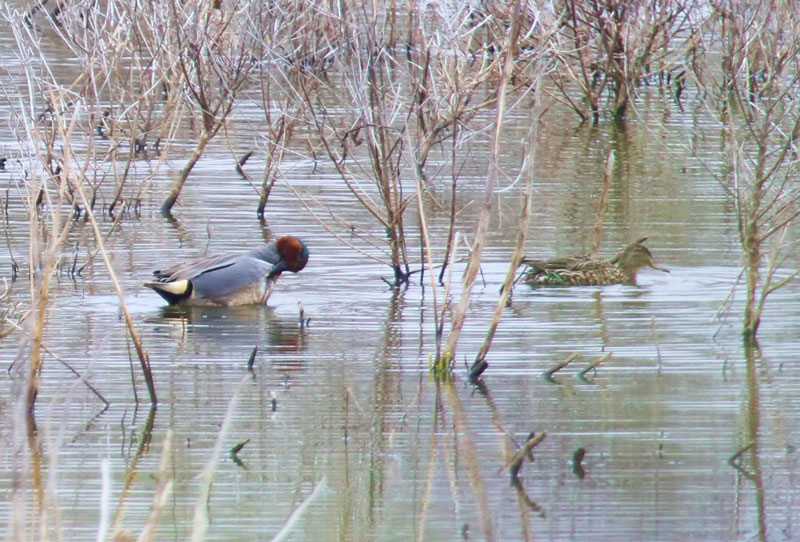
<point x="392" y="99"/>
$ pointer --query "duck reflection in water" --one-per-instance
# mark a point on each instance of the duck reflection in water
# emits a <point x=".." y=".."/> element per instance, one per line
<point x="234" y="330"/>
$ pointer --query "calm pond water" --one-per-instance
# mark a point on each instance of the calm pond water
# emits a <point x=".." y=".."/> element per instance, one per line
<point x="347" y="405"/>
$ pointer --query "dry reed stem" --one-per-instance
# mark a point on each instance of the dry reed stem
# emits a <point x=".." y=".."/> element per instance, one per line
<point x="298" y="512"/>
<point x="427" y="492"/>
<point x="105" y="499"/>
<point x="50" y="513"/>
<point x="132" y="472"/>
<point x="469" y="454"/>
<point x="40" y="297"/>
<point x="480" y="364"/>
<point x="64" y="363"/>
<point x="144" y="357"/>
<point x="451" y="458"/>
<point x="447" y="286"/>
<point x="423" y="224"/>
<point x="451" y="229"/>
<point x="602" y="206"/>
<point x="471" y="273"/>
<point x="163" y="490"/>
<point x="40" y="292"/>
<point x="200" y="522"/>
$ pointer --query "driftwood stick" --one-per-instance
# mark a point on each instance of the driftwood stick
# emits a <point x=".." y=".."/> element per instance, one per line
<point x="236" y="449"/>
<point x="240" y="162"/>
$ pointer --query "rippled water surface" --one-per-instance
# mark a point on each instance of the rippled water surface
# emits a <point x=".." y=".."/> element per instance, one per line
<point x="346" y="404"/>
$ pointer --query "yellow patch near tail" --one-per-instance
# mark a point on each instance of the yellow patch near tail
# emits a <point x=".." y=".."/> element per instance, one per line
<point x="178" y="287"/>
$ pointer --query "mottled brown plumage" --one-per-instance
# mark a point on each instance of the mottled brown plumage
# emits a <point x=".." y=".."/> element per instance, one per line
<point x="586" y="271"/>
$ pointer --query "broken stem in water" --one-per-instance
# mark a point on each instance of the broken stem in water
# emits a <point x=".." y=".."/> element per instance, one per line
<point x="558" y="366"/>
<point x="471" y="274"/>
<point x="515" y="464"/>
<point x="592" y="366"/>
<point x="602" y="206"/>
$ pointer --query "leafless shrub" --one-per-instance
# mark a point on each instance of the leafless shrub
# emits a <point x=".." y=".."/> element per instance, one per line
<point x="611" y="46"/>
<point x="119" y="97"/>
<point x="303" y="40"/>
<point x="207" y="54"/>
<point x="756" y="100"/>
<point x="370" y="95"/>
<point x="408" y="84"/>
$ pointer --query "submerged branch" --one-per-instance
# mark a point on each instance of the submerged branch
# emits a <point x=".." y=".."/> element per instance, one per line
<point x="515" y="463"/>
<point x="548" y="374"/>
<point x="593" y="366"/>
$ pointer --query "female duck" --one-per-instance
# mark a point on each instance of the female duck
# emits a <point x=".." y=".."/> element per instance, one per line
<point x="586" y="271"/>
<point x="231" y="279"/>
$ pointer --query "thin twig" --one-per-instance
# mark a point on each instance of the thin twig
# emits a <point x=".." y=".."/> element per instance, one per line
<point x="64" y="363"/>
<point x="144" y="357"/>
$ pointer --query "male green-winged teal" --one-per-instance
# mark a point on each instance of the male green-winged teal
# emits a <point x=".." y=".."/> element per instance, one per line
<point x="231" y="279"/>
<point x="586" y="271"/>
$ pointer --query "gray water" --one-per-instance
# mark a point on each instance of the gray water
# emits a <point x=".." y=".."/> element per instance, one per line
<point x="348" y="401"/>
